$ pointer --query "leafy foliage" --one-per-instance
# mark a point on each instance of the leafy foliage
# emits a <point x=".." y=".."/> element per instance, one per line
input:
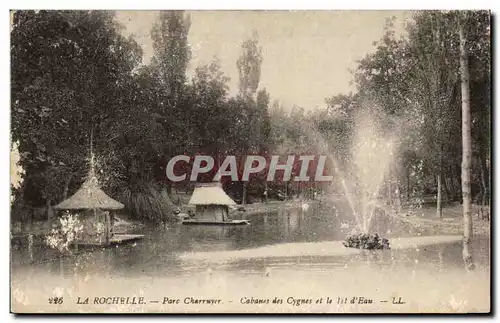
<point x="68" y="231"/>
<point x="74" y="74"/>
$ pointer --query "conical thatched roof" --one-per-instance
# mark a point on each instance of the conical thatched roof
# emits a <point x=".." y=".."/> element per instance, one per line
<point x="90" y="196"/>
<point x="210" y="194"/>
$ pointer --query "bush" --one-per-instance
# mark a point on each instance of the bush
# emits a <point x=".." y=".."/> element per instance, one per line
<point x="368" y="241"/>
<point x="68" y="231"/>
<point x="149" y="203"/>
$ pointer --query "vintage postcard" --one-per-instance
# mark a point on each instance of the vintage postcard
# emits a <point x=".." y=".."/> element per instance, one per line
<point x="250" y="161"/>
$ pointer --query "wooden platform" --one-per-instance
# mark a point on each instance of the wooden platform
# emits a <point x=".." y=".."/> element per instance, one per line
<point x="115" y="240"/>
<point x="123" y="238"/>
<point x="233" y="222"/>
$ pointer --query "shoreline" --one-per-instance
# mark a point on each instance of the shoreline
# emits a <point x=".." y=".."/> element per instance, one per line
<point x="311" y="249"/>
<point x="126" y="224"/>
<point x="273" y="207"/>
<point x="450" y="224"/>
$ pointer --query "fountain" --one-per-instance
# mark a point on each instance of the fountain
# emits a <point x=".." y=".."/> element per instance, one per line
<point x="372" y="155"/>
<point x="371" y="158"/>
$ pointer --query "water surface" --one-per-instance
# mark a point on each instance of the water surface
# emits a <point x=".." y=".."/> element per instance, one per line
<point x="157" y="265"/>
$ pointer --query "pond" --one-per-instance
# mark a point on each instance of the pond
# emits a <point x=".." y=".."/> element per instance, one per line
<point x="429" y="279"/>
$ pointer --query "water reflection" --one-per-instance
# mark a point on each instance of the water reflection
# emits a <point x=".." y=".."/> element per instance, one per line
<point x="158" y="253"/>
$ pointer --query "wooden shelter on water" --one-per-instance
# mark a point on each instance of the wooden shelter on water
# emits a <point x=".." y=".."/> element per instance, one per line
<point x="96" y="212"/>
<point x="212" y="205"/>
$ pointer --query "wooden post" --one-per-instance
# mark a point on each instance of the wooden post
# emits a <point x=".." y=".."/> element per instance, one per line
<point x="112" y="223"/>
<point x="107" y="220"/>
<point x="96" y="221"/>
<point x="30" y="246"/>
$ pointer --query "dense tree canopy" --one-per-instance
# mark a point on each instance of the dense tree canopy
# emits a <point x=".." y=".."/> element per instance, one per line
<point x="75" y="76"/>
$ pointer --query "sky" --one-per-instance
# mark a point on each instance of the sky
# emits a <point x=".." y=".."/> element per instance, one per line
<point x="307" y="55"/>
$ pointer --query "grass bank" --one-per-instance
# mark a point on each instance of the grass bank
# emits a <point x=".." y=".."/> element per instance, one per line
<point x="451" y="222"/>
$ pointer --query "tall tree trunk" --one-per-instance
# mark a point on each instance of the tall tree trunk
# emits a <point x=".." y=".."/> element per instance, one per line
<point x="447" y="188"/>
<point x="389" y="195"/>
<point x="466" y="151"/>
<point x="244" y="194"/>
<point x="439" y="205"/>
<point x="439" y="177"/>
<point x="485" y="198"/>
<point x="484" y="183"/>
<point x="398" y="198"/>
<point x="483" y="211"/>
<point x="266" y="190"/>
<point x="456" y="183"/>
<point x="66" y="187"/>
<point x="408" y="183"/>
<point x="50" y="211"/>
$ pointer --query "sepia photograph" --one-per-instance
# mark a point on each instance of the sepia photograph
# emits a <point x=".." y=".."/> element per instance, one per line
<point x="250" y="161"/>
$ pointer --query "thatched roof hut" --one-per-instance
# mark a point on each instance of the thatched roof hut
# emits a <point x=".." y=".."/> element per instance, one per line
<point x="210" y="194"/>
<point x="97" y="211"/>
<point x="88" y="197"/>
<point x="211" y="202"/>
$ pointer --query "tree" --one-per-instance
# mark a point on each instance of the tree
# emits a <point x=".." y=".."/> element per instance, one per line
<point x="169" y="64"/>
<point x="479" y="50"/>
<point x="385" y="91"/>
<point x="69" y="72"/>
<point x="211" y="122"/>
<point x="466" y="149"/>
<point x="249" y="66"/>
<point x="415" y="81"/>
<point x="434" y="41"/>
<point x="263" y="120"/>
<point x="171" y="49"/>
